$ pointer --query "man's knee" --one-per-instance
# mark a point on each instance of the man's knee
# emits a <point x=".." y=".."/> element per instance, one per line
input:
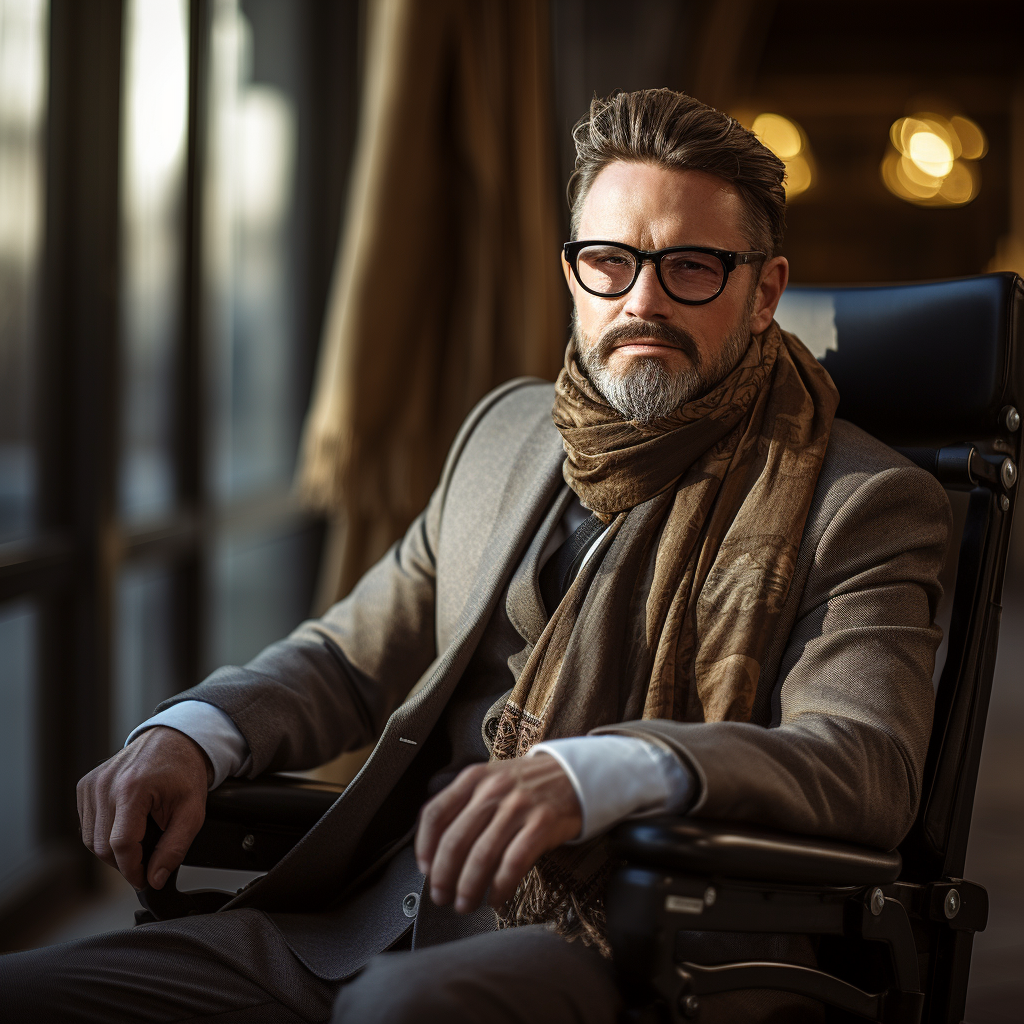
<point x="523" y="974"/>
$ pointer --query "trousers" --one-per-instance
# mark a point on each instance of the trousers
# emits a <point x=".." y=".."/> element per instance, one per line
<point x="235" y="967"/>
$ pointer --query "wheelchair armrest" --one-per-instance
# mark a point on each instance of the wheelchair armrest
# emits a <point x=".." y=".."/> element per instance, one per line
<point x="280" y="801"/>
<point x="249" y="826"/>
<point x="689" y="874"/>
<point x="728" y="850"/>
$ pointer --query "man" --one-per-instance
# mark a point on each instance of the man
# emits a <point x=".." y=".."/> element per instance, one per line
<point x="687" y="588"/>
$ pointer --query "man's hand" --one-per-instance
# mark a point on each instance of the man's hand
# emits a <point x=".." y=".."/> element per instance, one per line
<point x="489" y="827"/>
<point x="163" y="773"/>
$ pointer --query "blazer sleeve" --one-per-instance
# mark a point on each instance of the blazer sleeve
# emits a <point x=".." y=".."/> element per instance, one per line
<point x="331" y="685"/>
<point x="854" y="701"/>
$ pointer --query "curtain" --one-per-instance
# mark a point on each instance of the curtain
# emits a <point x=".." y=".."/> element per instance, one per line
<point x="447" y="280"/>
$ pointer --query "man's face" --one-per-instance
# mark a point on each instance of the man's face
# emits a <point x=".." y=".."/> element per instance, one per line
<point x="644" y="351"/>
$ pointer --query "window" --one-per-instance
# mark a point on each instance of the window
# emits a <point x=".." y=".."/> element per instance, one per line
<point x="171" y="181"/>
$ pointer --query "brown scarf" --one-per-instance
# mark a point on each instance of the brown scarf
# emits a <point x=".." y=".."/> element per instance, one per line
<point x="672" y="617"/>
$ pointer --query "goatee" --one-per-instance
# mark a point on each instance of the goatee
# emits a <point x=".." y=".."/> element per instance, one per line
<point x="645" y="390"/>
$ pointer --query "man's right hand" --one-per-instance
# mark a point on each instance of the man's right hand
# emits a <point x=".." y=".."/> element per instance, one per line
<point x="163" y="773"/>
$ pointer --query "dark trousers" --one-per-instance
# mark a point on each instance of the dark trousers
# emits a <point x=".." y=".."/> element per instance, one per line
<point x="236" y="967"/>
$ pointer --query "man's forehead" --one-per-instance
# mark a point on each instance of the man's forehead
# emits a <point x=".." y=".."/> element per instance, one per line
<point x="652" y="206"/>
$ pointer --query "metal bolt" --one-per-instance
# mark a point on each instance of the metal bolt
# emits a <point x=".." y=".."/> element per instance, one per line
<point x="690" y="1005"/>
<point x="411" y="904"/>
<point x="877" y="902"/>
<point x="710" y="896"/>
<point x="248" y="842"/>
<point x="951" y="904"/>
<point x="1004" y="502"/>
<point x="1008" y="473"/>
<point x="1011" y="418"/>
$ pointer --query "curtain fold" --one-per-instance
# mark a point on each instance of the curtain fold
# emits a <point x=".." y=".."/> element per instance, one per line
<point x="447" y="280"/>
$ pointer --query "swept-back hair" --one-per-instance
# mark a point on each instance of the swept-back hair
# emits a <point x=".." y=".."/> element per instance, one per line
<point x="671" y="129"/>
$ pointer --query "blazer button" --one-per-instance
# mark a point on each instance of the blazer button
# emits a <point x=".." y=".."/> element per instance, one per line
<point x="411" y="904"/>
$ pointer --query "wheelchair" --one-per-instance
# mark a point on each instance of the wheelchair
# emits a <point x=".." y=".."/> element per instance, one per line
<point x="900" y="924"/>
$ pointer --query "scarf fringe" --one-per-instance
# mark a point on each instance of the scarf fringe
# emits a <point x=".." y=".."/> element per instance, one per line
<point x="552" y="895"/>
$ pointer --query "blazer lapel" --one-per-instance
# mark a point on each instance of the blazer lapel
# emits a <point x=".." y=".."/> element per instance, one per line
<point x="525" y="604"/>
<point x="310" y="874"/>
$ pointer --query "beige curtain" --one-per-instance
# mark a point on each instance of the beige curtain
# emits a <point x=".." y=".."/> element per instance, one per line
<point x="447" y="280"/>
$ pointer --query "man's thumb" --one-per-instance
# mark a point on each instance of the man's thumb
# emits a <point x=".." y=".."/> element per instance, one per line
<point x="172" y="846"/>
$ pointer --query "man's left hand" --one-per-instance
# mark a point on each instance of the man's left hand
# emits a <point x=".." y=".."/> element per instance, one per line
<point x="490" y="826"/>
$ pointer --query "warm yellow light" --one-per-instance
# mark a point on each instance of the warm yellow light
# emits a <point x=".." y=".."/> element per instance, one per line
<point x="931" y="153"/>
<point x="779" y="134"/>
<point x="916" y="184"/>
<point x="786" y="139"/>
<point x="961" y="185"/>
<point x="799" y="176"/>
<point x="930" y="159"/>
<point x="973" y="143"/>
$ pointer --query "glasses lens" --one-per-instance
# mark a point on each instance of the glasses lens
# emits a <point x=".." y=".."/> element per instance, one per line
<point x="605" y="269"/>
<point x="692" y="276"/>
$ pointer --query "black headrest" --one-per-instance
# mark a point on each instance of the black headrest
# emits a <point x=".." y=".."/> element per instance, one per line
<point x="932" y="363"/>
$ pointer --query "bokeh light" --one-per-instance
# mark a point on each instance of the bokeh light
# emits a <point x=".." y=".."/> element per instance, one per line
<point x="788" y="141"/>
<point x="931" y="159"/>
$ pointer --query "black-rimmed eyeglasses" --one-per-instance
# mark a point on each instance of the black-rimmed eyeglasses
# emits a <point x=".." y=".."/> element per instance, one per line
<point x="693" y="274"/>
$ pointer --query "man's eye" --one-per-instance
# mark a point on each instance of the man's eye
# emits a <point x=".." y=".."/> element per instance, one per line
<point x="683" y="266"/>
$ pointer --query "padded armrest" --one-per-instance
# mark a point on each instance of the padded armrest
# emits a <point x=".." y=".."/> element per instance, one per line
<point x="728" y="850"/>
<point x="279" y="801"/>
<point x="249" y="826"/>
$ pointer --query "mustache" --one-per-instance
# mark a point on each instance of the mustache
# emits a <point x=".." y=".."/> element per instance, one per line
<point x="639" y="330"/>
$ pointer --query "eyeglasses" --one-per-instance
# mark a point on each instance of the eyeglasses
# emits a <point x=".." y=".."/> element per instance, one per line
<point x="692" y="274"/>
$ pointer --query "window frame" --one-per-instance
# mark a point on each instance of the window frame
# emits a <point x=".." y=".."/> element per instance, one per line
<point x="71" y="565"/>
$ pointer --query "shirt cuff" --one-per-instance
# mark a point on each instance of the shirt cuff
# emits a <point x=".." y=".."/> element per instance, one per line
<point x="212" y="729"/>
<point x="619" y="777"/>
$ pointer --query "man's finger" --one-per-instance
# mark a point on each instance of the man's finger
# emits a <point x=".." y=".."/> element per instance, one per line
<point x="439" y="813"/>
<point x="127" y="830"/>
<point x="460" y="836"/>
<point x="86" y="815"/>
<point x="482" y="861"/>
<point x="525" y="849"/>
<point x="104" y="813"/>
<point x="185" y="822"/>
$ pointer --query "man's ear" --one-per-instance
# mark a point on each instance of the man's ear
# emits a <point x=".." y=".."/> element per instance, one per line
<point x="770" y="286"/>
<point x="569" y="279"/>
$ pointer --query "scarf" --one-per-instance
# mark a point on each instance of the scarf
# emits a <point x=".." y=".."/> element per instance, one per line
<point x="671" y="618"/>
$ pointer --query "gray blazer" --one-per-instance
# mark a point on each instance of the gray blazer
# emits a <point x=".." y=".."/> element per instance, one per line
<point x="844" y="707"/>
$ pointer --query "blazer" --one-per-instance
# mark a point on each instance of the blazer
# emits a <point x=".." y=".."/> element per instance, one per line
<point x="844" y="705"/>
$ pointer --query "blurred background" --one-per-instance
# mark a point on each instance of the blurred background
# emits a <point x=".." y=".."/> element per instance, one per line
<point x="258" y="259"/>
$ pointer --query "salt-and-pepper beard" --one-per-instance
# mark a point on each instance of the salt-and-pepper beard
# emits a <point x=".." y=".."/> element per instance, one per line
<point x="645" y="390"/>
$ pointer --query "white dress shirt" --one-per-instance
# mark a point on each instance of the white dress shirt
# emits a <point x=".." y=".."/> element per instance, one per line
<point x="615" y="777"/>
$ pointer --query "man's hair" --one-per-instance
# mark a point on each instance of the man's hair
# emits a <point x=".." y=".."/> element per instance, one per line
<point x="673" y="130"/>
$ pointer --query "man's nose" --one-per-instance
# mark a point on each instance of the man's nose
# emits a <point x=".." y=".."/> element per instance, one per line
<point x="647" y="299"/>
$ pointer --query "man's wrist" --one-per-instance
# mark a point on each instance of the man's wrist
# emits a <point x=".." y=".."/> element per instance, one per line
<point x="212" y="730"/>
<point x="176" y="736"/>
<point x="619" y="777"/>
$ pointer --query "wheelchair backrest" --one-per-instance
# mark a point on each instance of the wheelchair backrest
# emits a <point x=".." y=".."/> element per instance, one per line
<point x="934" y="369"/>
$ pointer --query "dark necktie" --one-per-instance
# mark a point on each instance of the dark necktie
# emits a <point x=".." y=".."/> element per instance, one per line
<point x="561" y="568"/>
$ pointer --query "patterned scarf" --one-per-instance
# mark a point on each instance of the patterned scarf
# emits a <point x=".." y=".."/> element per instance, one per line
<point x="671" y="618"/>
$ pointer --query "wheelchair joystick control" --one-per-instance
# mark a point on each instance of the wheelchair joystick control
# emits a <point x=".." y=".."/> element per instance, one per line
<point x="877" y="902"/>
<point x="951" y="904"/>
